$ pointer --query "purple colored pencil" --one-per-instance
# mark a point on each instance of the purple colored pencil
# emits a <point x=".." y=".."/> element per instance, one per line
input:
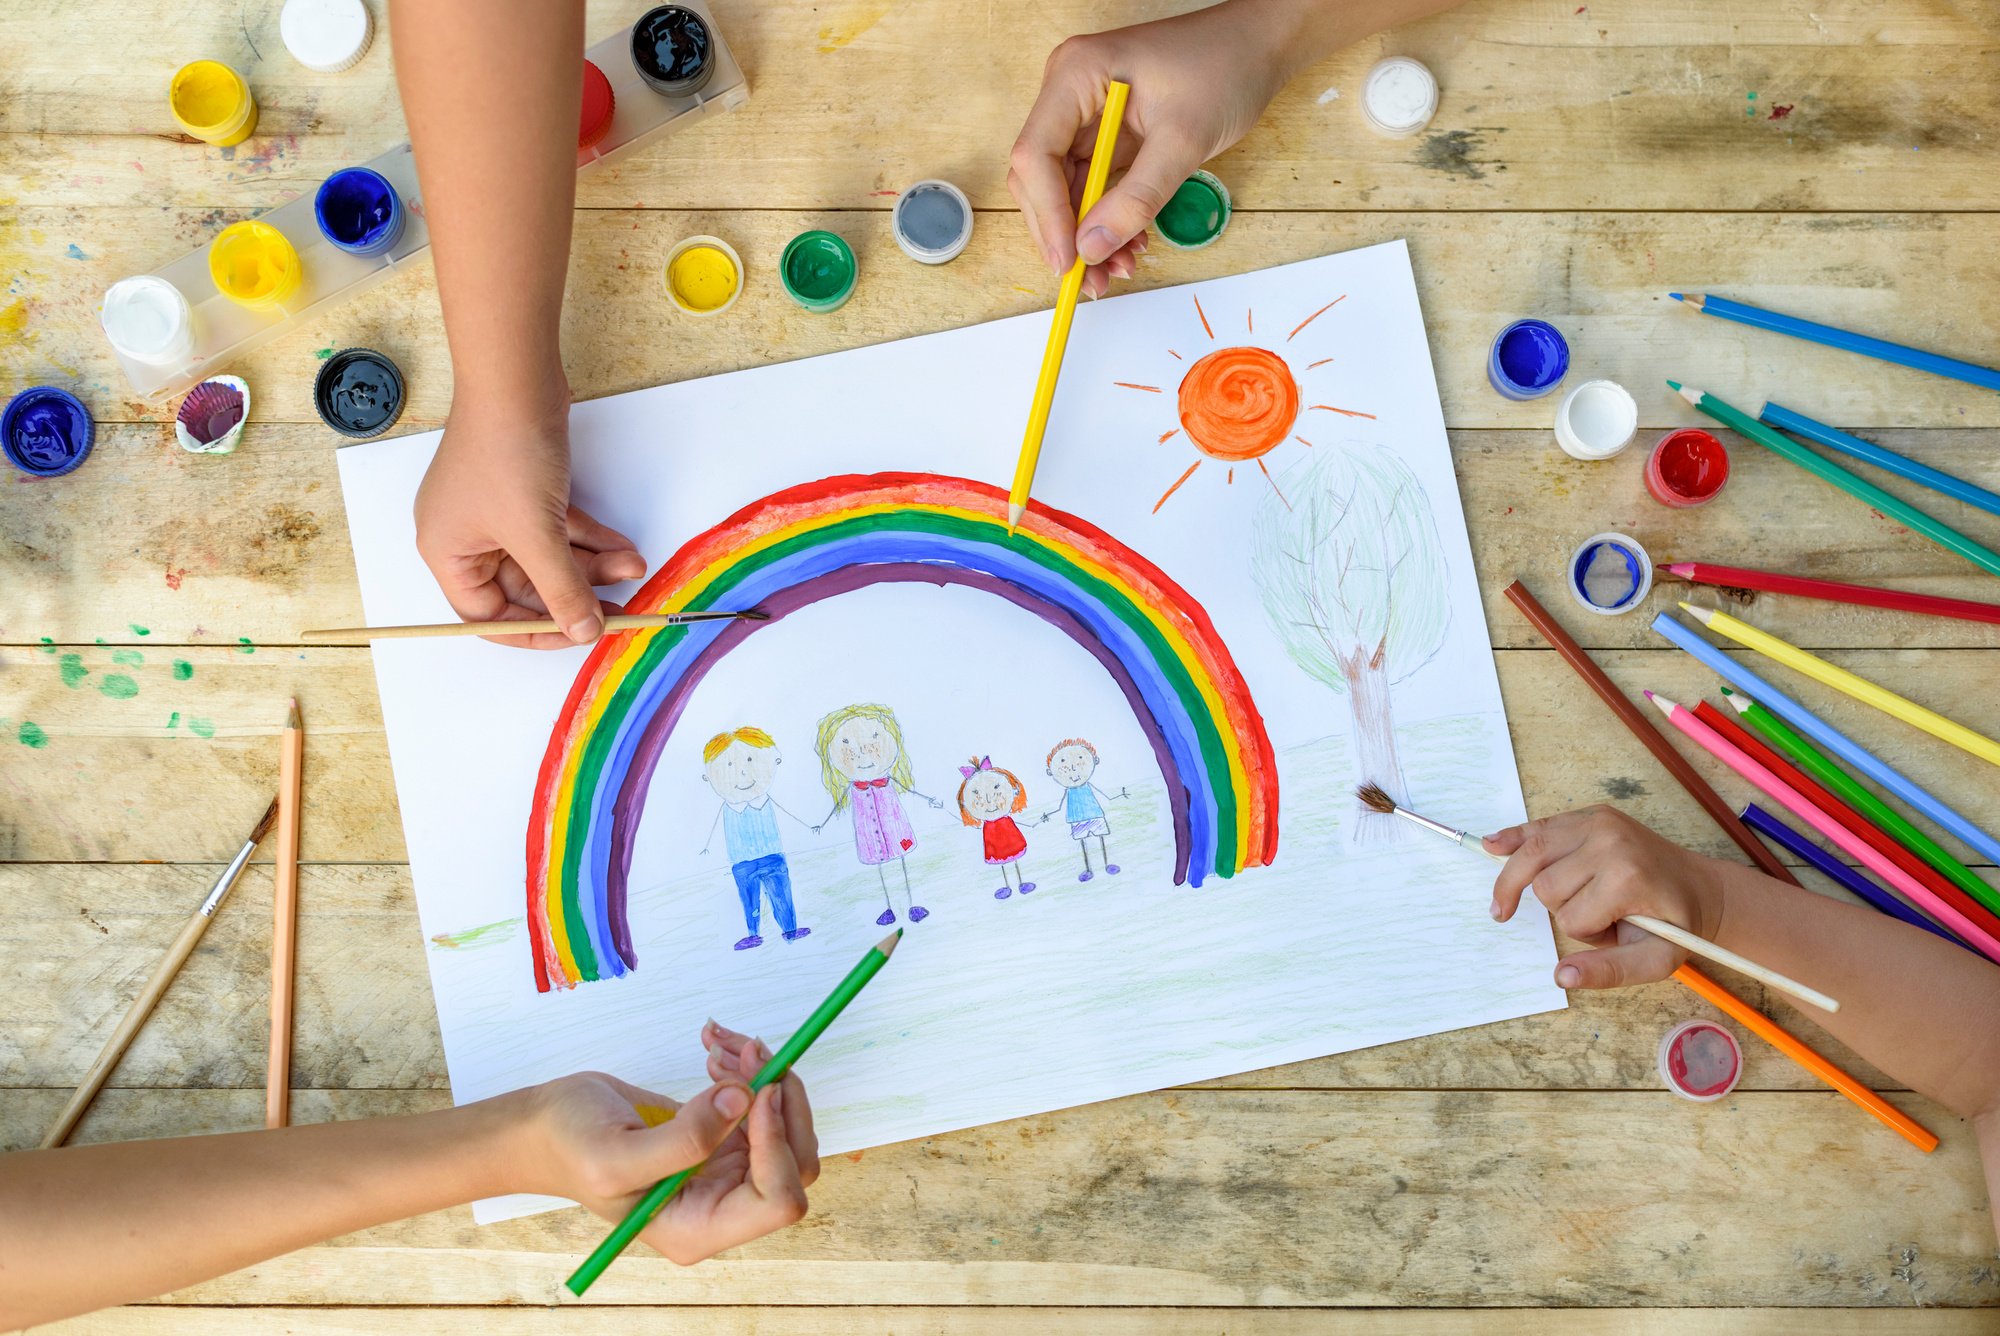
<point x="1769" y="826"/>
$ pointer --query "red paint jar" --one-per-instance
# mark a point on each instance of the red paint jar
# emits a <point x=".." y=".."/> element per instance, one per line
<point x="598" y="104"/>
<point x="1687" y="468"/>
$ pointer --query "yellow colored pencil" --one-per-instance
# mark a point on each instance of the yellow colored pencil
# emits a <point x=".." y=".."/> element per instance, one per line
<point x="1072" y="288"/>
<point x="1868" y="693"/>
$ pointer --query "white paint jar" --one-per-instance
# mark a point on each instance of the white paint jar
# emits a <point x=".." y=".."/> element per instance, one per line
<point x="1596" y="420"/>
<point x="1399" y="96"/>
<point x="147" y="319"/>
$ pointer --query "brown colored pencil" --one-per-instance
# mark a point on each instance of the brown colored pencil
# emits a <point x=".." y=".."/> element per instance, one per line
<point x="284" y="923"/>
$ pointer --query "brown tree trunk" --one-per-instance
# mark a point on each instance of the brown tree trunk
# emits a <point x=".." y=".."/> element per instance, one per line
<point x="1375" y="757"/>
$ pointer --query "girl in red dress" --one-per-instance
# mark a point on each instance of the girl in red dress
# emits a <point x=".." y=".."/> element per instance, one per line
<point x="988" y="799"/>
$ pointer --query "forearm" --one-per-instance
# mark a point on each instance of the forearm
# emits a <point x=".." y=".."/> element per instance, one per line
<point x="1299" y="33"/>
<point x="491" y="91"/>
<point x="89" y="1226"/>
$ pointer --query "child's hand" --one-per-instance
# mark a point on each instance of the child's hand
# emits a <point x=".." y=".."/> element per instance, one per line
<point x="1591" y="868"/>
<point x="590" y="1143"/>
<point x="1199" y="82"/>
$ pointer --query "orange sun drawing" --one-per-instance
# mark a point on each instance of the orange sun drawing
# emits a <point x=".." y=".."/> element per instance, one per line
<point x="1239" y="403"/>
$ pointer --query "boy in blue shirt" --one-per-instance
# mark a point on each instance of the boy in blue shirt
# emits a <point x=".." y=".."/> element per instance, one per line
<point x="739" y="766"/>
<point x="1071" y="763"/>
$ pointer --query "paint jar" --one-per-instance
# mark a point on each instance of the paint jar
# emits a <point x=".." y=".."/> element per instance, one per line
<point x="599" y="102"/>
<point x="1529" y="358"/>
<point x="1596" y="420"/>
<point x="1610" y="573"/>
<point x="1196" y="215"/>
<point x="211" y="102"/>
<point x="46" y="432"/>
<point x="932" y="221"/>
<point x="359" y="211"/>
<point x="210" y="419"/>
<point x="703" y="276"/>
<point x="254" y="265"/>
<point x="672" y="50"/>
<point x="358" y="392"/>
<point x="1399" y="96"/>
<point x="148" y="320"/>
<point x="1687" y="468"/>
<point x="326" y="35"/>
<point x="1700" y="1061"/>
<point x="818" y="270"/>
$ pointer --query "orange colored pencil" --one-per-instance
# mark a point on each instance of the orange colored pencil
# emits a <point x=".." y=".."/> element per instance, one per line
<point x="284" y="923"/>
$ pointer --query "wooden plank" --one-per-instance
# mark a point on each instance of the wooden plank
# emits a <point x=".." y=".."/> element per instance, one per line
<point x="1618" y="104"/>
<point x="1276" y="1198"/>
<point x="1603" y="277"/>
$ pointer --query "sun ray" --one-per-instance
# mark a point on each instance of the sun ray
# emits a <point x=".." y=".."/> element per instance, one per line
<point x="1322" y="362"/>
<point x="1273" y="481"/>
<point x="1168" y="436"/>
<point x="1230" y="477"/>
<point x="1178" y="358"/>
<point x="1303" y="441"/>
<point x="1345" y="412"/>
<point x="1250" y="320"/>
<point x="1177" y="485"/>
<point x="1315" y="315"/>
<point x="1128" y="385"/>
<point x="1204" y="318"/>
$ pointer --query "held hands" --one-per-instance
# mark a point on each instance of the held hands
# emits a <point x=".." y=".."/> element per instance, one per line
<point x="587" y="1141"/>
<point x="1199" y="82"/>
<point x="1591" y="868"/>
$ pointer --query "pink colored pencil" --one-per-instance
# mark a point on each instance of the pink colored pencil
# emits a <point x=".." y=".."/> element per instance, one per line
<point x="1806" y="810"/>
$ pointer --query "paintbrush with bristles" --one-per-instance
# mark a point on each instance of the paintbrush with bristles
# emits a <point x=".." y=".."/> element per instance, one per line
<point x="1374" y="798"/>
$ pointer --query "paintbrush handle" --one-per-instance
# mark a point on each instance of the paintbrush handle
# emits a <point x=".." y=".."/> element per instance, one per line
<point x="624" y="621"/>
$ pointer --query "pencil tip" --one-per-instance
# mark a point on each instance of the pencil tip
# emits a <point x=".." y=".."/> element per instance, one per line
<point x="1662" y="704"/>
<point x="887" y="946"/>
<point x="1741" y="704"/>
<point x="1706" y="616"/>
<point x="1677" y="296"/>
<point x="292" y="716"/>
<point x="1674" y="385"/>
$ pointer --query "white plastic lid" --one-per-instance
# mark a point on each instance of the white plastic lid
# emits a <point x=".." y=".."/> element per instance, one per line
<point x="326" y="35"/>
<point x="1399" y="96"/>
<point x="932" y="195"/>
<point x="1596" y="420"/>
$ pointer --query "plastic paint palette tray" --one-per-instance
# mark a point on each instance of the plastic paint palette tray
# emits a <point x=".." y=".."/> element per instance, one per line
<point x="225" y="331"/>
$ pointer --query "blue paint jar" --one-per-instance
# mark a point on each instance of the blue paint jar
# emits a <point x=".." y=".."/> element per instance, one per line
<point x="46" y="432"/>
<point x="1529" y="359"/>
<point x="359" y="211"/>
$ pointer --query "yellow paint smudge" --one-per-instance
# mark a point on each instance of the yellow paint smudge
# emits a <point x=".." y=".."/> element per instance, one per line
<point x="839" y="33"/>
<point x="653" y="1114"/>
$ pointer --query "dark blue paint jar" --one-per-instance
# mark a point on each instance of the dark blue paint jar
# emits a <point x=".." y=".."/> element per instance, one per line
<point x="46" y="431"/>
<point x="1529" y="359"/>
<point x="359" y="211"/>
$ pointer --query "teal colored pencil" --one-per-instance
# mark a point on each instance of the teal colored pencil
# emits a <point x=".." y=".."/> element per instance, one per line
<point x="774" y="1071"/>
<point x="1827" y="471"/>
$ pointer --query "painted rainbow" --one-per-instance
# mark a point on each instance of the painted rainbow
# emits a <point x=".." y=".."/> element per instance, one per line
<point x="809" y="543"/>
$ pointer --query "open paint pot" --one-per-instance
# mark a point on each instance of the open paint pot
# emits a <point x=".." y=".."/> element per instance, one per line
<point x="358" y="392"/>
<point x="673" y="51"/>
<point x="1399" y="96"/>
<point x="1529" y="358"/>
<point x="932" y="221"/>
<point x="703" y="276"/>
<point x="818" y="270"/>
<point x="211" y="102"/>
<point x="1700" y="1061"/>
<point x="599" y="102"/>
<point x="254" y="265"/>
<point x="1687" y="468"/>
<point x="148" y="320"/>
<point x="1610" y="573"/>
<point x="1196" y="215"/>
<point x="359" y="211"/>
<point x="46" y="432"/>
<point x="1596" y="420"/>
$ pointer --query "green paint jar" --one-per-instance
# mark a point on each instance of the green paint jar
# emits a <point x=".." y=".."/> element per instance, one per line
<point x="1196" y="215"/>
<point x="818" y="270"/>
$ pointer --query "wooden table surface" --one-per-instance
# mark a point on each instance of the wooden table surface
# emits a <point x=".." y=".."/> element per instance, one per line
<point x="1833" y="157"/>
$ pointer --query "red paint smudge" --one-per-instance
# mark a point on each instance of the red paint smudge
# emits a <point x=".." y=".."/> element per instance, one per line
<point x="1509" y="510"/>
<point x="1779" y="113"/>
<point x="175" y="575"/>
<point x="854" y="1156"/>
<point x="883" y="194"/>
<point x="1581" y="9"/>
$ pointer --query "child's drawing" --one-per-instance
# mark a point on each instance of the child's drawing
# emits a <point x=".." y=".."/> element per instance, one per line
<point x="1353" y="581"/>
<point x="1072" y="763"/>
<point x="739" y="765"/>
<point x="990" y="798"/>
<point x="866" y="771"/>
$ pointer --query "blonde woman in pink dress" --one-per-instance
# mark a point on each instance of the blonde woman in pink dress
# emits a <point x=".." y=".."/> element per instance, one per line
<point x="866" y="771"/>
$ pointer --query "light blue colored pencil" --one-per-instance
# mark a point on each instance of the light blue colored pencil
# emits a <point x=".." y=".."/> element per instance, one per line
<point x="1870" y="453"/>
<point x="1935" y="363"/>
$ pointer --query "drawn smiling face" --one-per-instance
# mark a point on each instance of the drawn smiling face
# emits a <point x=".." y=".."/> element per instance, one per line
<point x="1073" y="765"/>
<point x="862" y="749"/>
<point x="988" y="795"/>
<point x="742" y="773"/>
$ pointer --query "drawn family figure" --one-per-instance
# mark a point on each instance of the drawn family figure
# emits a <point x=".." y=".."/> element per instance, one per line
<point x="866" y="771"/>
<point x="990" y="798"/>
<point x="740" y="765"/>
<point x="1072" y="763"/>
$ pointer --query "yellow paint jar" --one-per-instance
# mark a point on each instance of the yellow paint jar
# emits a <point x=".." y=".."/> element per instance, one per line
<point x="211" y="102"/>
<point x="254" y="265"/>
<point x="703" y="276"/>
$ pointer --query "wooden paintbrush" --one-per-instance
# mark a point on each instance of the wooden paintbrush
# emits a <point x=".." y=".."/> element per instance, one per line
<point x="621" y="621"/>
<point x="1372" y="796"/>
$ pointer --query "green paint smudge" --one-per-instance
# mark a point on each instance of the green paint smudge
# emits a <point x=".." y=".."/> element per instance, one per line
<point x="31" y="735"/>
<point x="183" y="670"/>
<point x="486" y="934"/>
<point x="73" y="671"/>
<point x="131" y="658"/>
<point x="201" y="728"/>
<point x="118" y="686"/>
<point x="48" y="645"/>
<point x="243" y="644"/>
<point x="323" y="354"/>
<point x="174" y="720"/>
<point x="139" y="630"/>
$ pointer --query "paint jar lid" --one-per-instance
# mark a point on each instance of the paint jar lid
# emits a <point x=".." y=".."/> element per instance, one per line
<point x="148" y="320"/>
<point x="1687" y="468"/>
<point x="1609" y="573"/>
<point x="1197" y="213"/>
<point x="46" y="432"/>
<point x="1529" y="359"/>
<point x="326" y="35"/>
<point x="1596" y="420"/>
<point x="598" y="104"/>
<point x="673" y="51"/>
<point x="703" y="275"/>
<point x="1399" y="96"/>
<point x="1700" y="1061"/>
<point x="818" y="270"/>
<point x="932" y="221"/>
<point x="358" y="392"/>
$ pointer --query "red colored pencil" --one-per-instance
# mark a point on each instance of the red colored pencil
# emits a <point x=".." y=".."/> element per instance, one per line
<point x="1877" y="838"/>
<point x="1835" y="591"/>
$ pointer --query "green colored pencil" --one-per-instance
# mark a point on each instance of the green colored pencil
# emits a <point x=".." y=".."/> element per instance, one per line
<point x="781" y="1062"/>
<point x="1894" y="507"/>
<point x="1816" y="763"/>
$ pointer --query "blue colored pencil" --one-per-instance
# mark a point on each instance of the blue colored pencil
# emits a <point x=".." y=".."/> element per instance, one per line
<point x="1764" y="823"/>
<point x="1935" y="363"/>
<point x="1835" y="741"/>
<point x="1870" y="453"/>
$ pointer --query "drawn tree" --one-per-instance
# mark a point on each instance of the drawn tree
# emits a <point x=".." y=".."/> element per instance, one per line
<point x="1348" y="562"/>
